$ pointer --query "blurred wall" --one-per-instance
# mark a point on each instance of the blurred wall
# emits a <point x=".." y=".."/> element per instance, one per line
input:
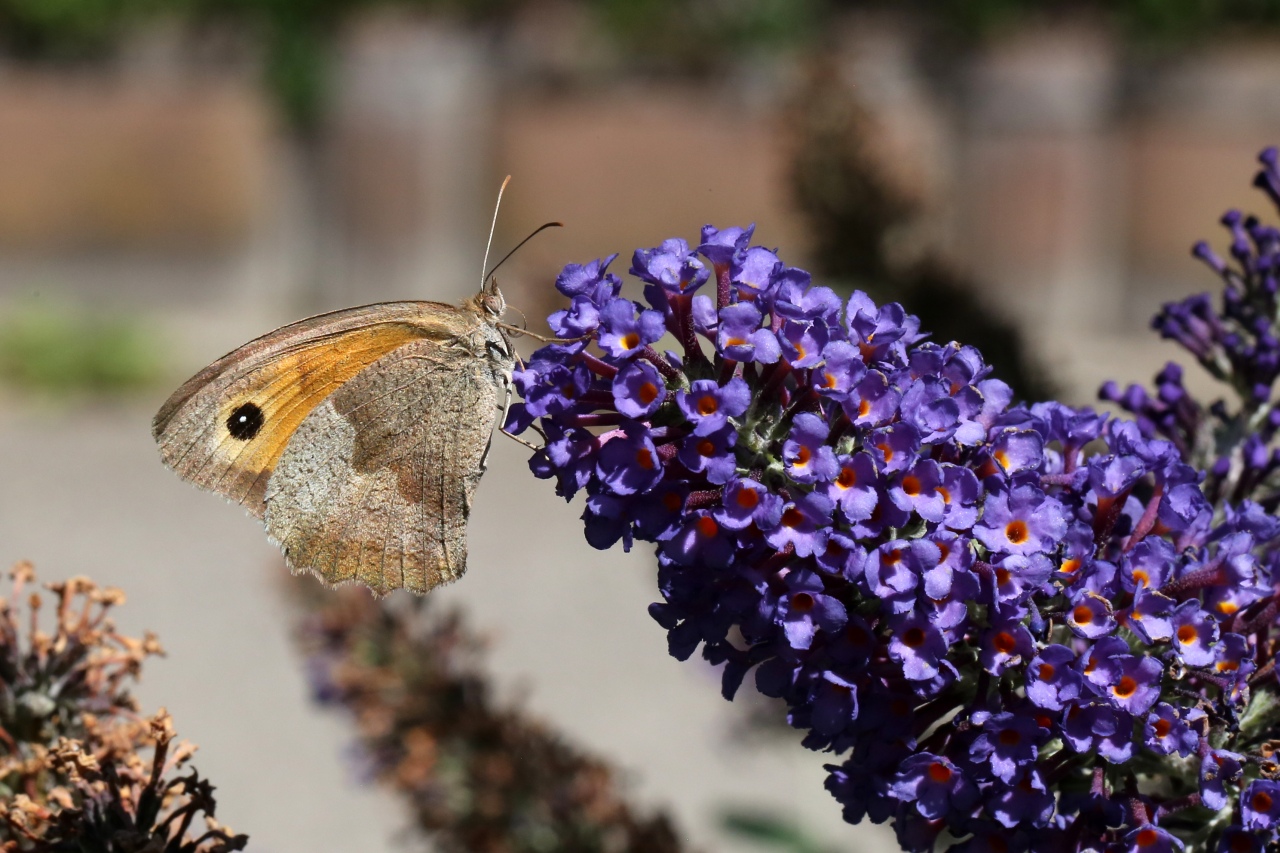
<point x="1063" y="174"/>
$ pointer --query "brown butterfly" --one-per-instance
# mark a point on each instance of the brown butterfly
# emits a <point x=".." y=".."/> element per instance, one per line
<point x="358" y="436"/>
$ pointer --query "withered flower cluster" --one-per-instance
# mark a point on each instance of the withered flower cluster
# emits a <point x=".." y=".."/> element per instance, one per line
<point x="80" y="769"/>
<point x="479" y="778"/>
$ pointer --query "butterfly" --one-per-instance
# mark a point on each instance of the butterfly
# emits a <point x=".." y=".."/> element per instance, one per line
<point x="358" y="437"/>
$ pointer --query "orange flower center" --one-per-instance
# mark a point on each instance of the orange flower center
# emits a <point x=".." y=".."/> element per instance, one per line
<point x="939" y="772"/>
<point x="792" y="517"/>
<point x="630" y="341"/>
<point x="803" y="455"/>
<point x="1016" y="531"/>
<point x="911" y="485"/>
<point x="707" y="527"/>
<point x="913" y="638"/>
<point x="1082" y="614"/>
<point x="645" y="459"/>
<point x="847" y="479"/>
<point x="748" y="498"/>
<point x="708" y="405"/>
<point x="1005" y="643"/>
<point x="1186" y="634"/>
<point x="1126" y="687"/>
<point x="1162" y="728"/>
<point x="802" y="602"/>
<point x="648" y="393"/>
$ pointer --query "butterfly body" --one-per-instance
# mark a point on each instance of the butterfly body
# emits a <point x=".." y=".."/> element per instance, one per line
<point x="358" y="437"/>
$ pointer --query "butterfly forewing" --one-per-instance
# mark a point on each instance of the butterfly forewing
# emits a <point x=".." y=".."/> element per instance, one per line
<point x="226" y="427"/>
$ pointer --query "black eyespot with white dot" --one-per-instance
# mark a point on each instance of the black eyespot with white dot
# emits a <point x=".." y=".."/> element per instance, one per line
<point x="245" y="421"/>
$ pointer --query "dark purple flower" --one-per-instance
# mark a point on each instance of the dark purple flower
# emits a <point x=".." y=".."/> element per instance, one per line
<point x="934" y="784"/>
<point x="804" y="609"/>
<point x="1008" y="743"/>
<point x="919" y="647"/>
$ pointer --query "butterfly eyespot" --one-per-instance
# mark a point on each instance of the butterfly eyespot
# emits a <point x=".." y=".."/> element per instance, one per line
<point x="245" y="421"/>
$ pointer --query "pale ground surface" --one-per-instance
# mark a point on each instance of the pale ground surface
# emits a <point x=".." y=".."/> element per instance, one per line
<point x="84" y="493"/>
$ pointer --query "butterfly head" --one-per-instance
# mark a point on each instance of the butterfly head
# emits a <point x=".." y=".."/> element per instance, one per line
<point x="489" y="302"/>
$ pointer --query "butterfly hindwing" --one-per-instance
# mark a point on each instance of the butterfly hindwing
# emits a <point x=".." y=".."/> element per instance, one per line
<point x="227" y="427"/>
<point x="376" y="484"/>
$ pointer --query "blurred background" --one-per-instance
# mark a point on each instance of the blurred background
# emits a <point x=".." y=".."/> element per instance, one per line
<point x="178" y="177"/>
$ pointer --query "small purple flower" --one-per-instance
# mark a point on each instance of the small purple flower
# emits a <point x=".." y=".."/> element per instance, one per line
<point x="740" y="337"/>
<point x="919" y="647"/>
<point x="803" y="525"/>
<point x="1194" y="634"/>
<point x="623" y="333"/>
<point x="1101" y="729"/>
<point x="1260" y="804"/>
<point x="1090" y="616"/>
<point x="723" y="246"/>
<point x="919" y="489"/>
<point x="709" y="406"/>
<point x="1009" y="644"/>
<point x="629" y="463"/>
<point x="808" y="458"/>
<point x="1008" y="742"/>
<point x="1025" y="800"/>
<point x="1021" y="521"/>
<point x="700" y="539"/>
<point x="1151" y="839"/>
<point x="711" y="454"/>
<point x="1130" y="682"/>
<point x="934" y="784"/>
<point x="638" y="389"/>
<point x="747" y="502"/>
<point x="1169" y="729"/>
<point x="804" y="609"/>
<point x="671" y="266"/>
<point x="842" y="369"/>
<point x="854" y="487"/>
<point x="1052" y="681"/>
<point x="1217" y="768"/>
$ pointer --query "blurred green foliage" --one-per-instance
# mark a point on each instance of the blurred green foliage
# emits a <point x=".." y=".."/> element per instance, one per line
<point x="656" y="36"/>
<point x="62" y="349"/>
<point x="770" y="831"/>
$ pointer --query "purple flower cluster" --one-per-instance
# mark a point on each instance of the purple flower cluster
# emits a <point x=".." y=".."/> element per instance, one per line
<point x="1005" y="621"/>
<point x="1239" y="344"/>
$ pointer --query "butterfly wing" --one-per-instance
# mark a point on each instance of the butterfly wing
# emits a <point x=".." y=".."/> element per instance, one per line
<point x="227" y="427"/>
<point x="376" y="484"/>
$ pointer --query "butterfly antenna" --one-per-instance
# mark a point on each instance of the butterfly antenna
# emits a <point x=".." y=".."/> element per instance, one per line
<point x="543" y="227"/>
<point x="492" y="226"/>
